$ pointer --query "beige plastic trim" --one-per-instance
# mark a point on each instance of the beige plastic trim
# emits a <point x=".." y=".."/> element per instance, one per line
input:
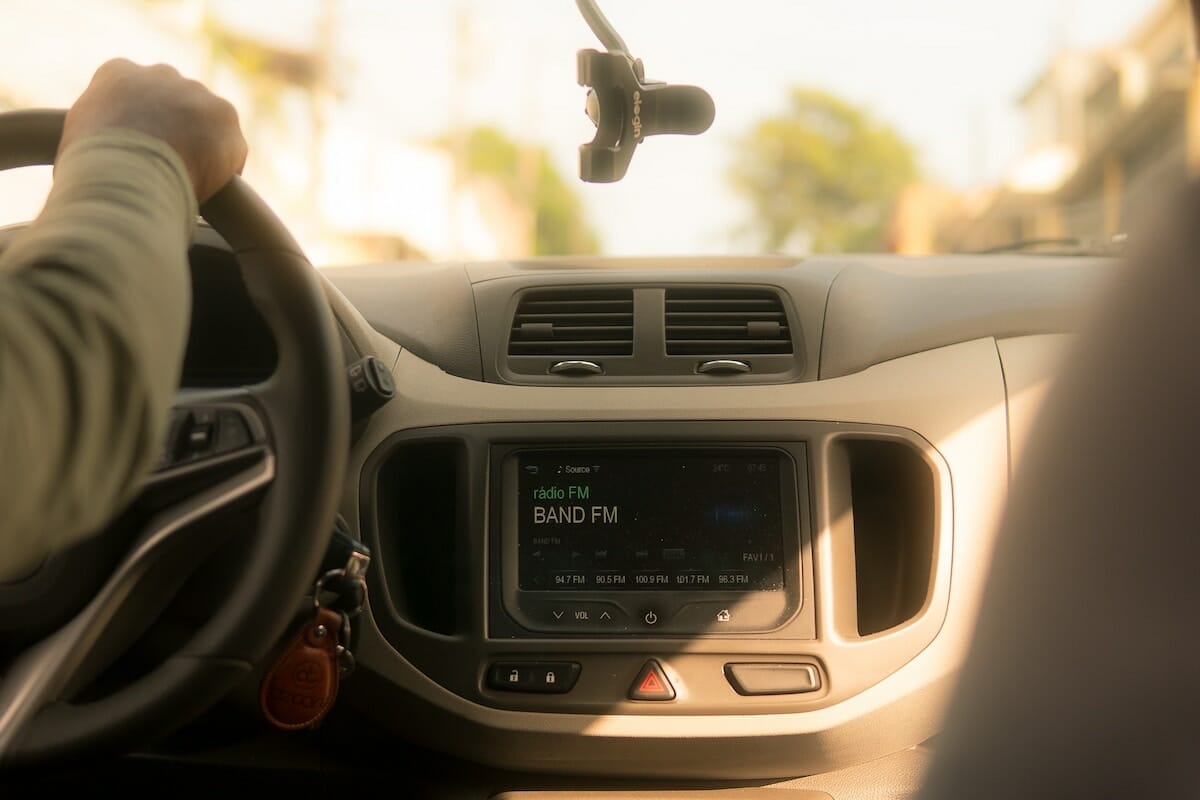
<point x="837" y="561"/>
<point x="1030" y="365"/>
<point x="696" y="265"/>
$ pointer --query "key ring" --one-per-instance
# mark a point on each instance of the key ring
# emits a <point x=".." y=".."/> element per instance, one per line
<point x="355" y="575"/>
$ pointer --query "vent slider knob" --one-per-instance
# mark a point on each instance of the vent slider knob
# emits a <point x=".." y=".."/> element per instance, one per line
<point x="575" y="367"/>
<point x="723" y="366"/>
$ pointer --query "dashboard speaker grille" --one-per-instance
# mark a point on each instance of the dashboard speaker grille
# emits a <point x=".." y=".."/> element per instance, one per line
<point x="726" y="322"/>
<point x="573" y="322"/>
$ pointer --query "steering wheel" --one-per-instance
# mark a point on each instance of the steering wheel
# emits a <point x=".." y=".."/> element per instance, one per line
<point x="288" y="452"/>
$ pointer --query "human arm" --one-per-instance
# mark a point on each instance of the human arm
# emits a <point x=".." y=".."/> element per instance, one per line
<point x="94" y="303"/>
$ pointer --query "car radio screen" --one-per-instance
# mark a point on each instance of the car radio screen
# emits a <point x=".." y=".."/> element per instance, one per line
<point x="678" y="520"/>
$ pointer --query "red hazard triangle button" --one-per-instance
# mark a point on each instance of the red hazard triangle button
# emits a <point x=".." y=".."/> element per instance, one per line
<point x="652" y="684"/>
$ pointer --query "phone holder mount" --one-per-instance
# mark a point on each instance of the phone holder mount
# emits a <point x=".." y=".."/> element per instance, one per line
<point x="625" y="107"/>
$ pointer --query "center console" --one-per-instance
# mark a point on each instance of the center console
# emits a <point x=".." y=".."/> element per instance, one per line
<point x="652" y="568"/>
<point x="558" y="587"/>
<point x="618" y="575"/>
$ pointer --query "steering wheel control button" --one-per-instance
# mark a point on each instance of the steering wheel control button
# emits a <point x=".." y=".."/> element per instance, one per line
<point x="541" y="677"/>
<point x="371" y="387"/>
<point x="652" y="684"/>
<point x="760" y="679"/>
<point x="195" y="433"/>
<point x="201" y="429"/>
<point x="232" y="433"/>
<point x="200" y="438"/>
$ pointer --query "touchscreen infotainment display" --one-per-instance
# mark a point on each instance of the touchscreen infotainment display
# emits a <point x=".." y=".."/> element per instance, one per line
<point x="654" y="519"/>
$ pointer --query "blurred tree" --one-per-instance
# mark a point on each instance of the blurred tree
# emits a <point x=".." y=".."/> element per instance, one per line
<point x="824" y="170"/>
<point x="270" y="67"/>
<point x="269" y="70"/>
<point x="260" y="59"/>
<point x="530" y="178"/>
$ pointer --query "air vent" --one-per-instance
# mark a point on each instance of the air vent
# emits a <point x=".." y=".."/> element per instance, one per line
<point x="726" y="322"/>
<point x="573" y="322"/>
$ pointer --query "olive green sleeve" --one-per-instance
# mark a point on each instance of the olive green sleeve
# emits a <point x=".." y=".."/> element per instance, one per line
<point x="94" y="306"/>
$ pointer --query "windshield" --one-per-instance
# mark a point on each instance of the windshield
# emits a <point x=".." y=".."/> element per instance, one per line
<point x="451" y="130"/>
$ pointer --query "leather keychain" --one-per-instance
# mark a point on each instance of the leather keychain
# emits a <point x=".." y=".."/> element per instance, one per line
<point x="302" y="686"/>
<point x="300" y="689"/>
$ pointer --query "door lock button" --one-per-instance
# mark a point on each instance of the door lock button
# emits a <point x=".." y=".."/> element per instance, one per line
<point x="539" y="677"/>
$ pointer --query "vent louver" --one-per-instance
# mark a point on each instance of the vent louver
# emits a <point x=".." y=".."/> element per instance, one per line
<point x="573" y="322"/>
<point x="726" y="322"/>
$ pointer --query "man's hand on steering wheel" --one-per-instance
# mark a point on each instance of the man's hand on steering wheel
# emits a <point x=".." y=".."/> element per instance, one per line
<point x="201" y="127"/>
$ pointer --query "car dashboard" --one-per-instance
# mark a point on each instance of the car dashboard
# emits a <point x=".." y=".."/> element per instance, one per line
<point x="671" y="523"/>
<point x="690" y="519"/>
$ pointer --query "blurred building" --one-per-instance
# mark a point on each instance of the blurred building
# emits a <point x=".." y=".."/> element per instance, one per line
<point x="383" y="200"/>
<point x="1104" y="128"/>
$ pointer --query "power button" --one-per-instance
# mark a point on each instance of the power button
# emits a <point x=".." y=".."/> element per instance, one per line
<point x="651" y="618"/>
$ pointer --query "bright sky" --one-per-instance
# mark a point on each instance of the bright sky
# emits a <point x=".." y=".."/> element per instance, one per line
<point x="946" y="73"/>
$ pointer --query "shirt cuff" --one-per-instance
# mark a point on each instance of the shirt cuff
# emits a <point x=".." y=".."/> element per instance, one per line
<point x="158" y="155"/>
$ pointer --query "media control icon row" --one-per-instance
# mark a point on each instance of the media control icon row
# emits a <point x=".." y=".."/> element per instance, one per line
<point x="645" y="615"/>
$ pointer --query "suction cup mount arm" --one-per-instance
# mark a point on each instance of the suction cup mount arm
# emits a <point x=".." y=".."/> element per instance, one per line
<point x="625" y="107"/>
